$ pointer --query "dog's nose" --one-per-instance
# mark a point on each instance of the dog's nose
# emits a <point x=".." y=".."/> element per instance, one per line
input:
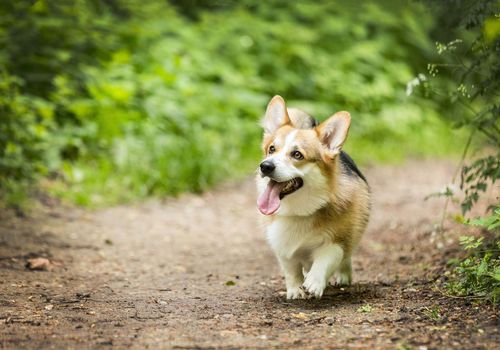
<point x="267" y="167"/>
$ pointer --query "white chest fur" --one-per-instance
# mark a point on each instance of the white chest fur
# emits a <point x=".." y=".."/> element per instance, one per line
<point x="294" y="237"/>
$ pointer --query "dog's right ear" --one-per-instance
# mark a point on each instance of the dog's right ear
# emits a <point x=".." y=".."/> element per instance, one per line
<point x="276" y="115"/>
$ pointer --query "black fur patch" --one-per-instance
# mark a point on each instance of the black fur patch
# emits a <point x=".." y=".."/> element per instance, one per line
<point x="349" y="166"/>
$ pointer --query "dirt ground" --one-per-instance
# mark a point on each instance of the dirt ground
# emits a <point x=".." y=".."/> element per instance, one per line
<point x="196" y="273"/>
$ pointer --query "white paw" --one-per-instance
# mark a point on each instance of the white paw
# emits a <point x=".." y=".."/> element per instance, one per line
<point x="295" y="293"/>
<point x="314" y="285"/>
<point x="343" y="279"/>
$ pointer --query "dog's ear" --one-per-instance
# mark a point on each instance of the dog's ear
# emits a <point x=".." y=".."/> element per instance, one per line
<point x="276" y="115"/>
<point x="333" y="132"/>
<point x="300" y="119"/>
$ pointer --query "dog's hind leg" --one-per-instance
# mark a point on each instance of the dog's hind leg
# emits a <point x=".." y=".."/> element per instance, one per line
<point x="306" y="266"/>
<point x="343" y="276"/>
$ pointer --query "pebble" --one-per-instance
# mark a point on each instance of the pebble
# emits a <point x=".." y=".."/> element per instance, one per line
<point x="329" y="320"/>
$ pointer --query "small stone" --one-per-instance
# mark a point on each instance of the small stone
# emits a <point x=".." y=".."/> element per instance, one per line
<point x="329" y="320"/>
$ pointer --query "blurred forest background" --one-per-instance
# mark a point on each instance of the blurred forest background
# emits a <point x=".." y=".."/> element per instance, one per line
<point x="104" y="102"/>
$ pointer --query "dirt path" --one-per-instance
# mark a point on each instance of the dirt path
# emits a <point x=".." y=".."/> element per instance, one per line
<point x="195" y="272"/>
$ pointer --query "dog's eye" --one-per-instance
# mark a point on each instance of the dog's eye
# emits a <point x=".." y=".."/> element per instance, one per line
<point x="271" y="149"/>
<point x="297" y="155"/>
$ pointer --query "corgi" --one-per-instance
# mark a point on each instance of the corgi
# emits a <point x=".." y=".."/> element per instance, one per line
<point x="314" y="199"/>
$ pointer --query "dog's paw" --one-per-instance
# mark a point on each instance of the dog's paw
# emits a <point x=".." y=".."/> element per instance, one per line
<point x="343" y="279"/>
<point x="295" y="293"/>
<point x="314" y="286"/>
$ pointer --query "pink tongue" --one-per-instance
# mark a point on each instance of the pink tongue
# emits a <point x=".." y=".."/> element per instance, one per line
<point x="269" y="200"/>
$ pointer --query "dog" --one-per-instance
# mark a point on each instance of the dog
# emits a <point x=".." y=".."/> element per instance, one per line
<point x="315" y="200"/>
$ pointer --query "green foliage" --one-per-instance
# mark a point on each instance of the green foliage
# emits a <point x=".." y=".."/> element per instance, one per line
<point x="433" y="313"/>
<point x="478" y="274"/>
<point x="470" y="242"/>
<point x="145" y="101"/>
<point x="367" y="308"/>
<point x="490" y="223"/>
<point x="24" y="132"/>
<point x="41" y="40"/>
<point x="476" y="178"/>
<point x="466" y="81"/>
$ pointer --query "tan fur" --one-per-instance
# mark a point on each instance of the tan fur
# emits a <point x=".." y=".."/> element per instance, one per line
<point x="345" y="217"/>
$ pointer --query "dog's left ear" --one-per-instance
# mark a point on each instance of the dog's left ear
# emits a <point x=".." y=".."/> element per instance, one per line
<point x="333" y="132"/>
<point x="276" y="115"/>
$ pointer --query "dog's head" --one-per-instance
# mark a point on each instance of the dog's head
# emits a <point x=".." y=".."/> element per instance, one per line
<point x="296" y="173"/>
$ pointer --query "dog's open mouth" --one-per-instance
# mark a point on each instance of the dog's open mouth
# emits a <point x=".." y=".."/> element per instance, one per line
<point x="269" y="201"/>
<point x="291" y="186"/>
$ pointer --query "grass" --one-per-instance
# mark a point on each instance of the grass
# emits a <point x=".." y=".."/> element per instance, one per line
<point x="367" y="308"/>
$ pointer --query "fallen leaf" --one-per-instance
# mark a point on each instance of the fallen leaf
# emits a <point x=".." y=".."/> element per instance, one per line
<point x="40" y="264"/>
<point x="301" y="316"/>
<point x="230" y="283"/>
<point x="228" y="333"/>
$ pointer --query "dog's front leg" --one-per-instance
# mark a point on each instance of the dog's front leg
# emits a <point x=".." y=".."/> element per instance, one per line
<point x="326" y="260"/>
<point x="293" y="278"/>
